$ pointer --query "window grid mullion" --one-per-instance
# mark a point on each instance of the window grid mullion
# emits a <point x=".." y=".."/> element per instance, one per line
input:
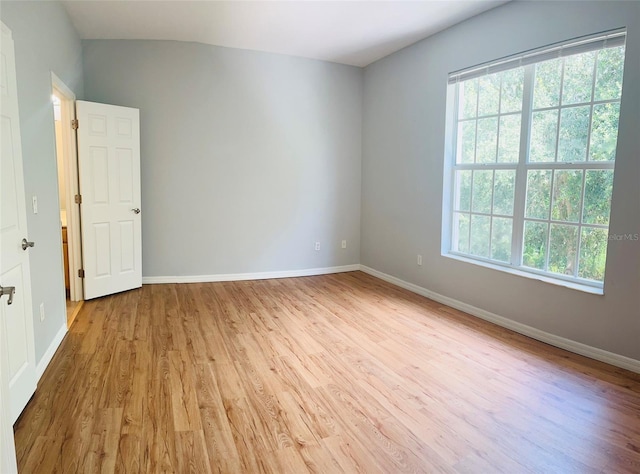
<point x="550" y="215"/>
<point x="553" y="221"/>
<point x="475" y="142"/>
<point x="584" y="172"/>
<point x="580" y="218"/>
<point x="578" y="104"/>
<point x="562" y="69"/>
<point x="469" y="213"/>
<point x="486" y="214"/>
<point x="570" y="165"/>
<point x="498" y="120"/>
<point x="520" y="191"/>
<point x="493" y="187"/>
<point x="469" y="232"/>
<point x="593" y="98"/>
<point x="505" y="114"/>
<point x="486" y="166"/>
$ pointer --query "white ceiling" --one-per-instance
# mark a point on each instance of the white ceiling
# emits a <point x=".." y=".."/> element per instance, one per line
<point x="349" y="32"/>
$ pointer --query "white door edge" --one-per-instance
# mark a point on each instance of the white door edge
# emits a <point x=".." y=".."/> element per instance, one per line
<point x="8" y="462"/>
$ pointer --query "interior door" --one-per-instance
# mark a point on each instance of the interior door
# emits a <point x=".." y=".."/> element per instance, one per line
<point x="109" y="172"/>
<point x="7" y="446"/>
<point x="16" y="319"/>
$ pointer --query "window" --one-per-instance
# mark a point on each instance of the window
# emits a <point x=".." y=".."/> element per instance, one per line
<point x="532" y="161"/>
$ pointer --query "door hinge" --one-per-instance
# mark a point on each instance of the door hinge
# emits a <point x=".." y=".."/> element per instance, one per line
<point x="78" y="198"/>
<point x="81" y="273"/>
<point x="74" y="124"/>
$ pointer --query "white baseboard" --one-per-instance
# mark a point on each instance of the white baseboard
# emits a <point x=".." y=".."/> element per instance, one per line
<point x="51" y="351"/>
<point x="249" y="276"/>
<point x="557" y="341"/>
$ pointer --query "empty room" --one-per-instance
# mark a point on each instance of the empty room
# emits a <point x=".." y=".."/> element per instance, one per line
<point x="320" y="236"/>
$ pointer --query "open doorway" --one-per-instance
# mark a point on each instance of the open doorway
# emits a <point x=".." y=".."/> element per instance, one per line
<point x="63" y="101"/>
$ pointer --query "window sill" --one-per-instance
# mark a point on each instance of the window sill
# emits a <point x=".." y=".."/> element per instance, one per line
<point x="532" y="276"/>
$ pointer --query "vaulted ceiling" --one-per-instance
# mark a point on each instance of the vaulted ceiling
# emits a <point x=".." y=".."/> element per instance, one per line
<point x="348" y="32"/>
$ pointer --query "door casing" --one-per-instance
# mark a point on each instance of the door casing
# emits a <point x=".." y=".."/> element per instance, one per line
<point x="69" y="150"/>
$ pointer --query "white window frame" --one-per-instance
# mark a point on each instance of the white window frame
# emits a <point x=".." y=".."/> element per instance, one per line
<point x="527" y="61"/>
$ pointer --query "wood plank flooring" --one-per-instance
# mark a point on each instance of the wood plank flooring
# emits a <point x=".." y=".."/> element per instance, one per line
<point x="327" y="374"/>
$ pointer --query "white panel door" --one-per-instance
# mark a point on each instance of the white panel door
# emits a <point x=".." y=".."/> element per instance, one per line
<point x="109" y="170"/>
<point x="16" y="319"/>
<point x="8" y="463"/>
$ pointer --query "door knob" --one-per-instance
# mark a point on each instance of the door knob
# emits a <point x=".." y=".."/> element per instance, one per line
<point x="26" y="244"/>
<point x="136" y="210"/>
<point x="8" y="290"/>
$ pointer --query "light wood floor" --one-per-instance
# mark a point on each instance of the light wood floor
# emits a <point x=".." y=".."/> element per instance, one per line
<point x="337" y="373"/>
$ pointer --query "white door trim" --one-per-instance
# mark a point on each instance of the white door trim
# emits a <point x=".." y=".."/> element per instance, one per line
<point x="68" y="113"/>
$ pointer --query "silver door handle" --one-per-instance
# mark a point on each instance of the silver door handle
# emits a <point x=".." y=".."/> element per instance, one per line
<point x="8" y="290"/>
<point x="26" y="244"/>
<point x="136" y="210"/>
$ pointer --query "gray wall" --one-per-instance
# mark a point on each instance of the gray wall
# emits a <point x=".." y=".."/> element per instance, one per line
<point x="45" y="41"/>
<point x="248" y="158"/>
<point x="402" y="173"/>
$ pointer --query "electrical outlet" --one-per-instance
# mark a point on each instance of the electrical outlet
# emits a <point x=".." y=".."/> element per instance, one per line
<point x="34" y="202"/>
<point x="419" y="260"/>
<point x="344" y="244"/>
<point x="41" y="311"/>
<point x="317" y="245"/>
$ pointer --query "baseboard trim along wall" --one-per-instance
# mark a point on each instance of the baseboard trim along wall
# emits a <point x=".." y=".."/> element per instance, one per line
<point x="557" y="341"/>
<point x="51" y="351"/>
<point x="249" y="276"/>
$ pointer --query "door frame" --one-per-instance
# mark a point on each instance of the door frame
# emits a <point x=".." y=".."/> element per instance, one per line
<point x="69" y="150"/>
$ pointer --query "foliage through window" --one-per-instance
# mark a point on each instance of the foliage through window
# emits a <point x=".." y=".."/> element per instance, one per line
<point x="535" y="143"/>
